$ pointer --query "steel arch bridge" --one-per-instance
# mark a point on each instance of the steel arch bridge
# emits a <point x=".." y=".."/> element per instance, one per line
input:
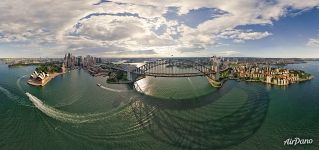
<point x="165" y="68"/>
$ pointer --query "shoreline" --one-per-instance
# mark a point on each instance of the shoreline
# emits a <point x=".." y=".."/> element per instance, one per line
<point x="46" y="80"/>
<point x="219" y="84"/>
<point x="300" y="80"/>
<point x="119" y="82"/>
<point x="215" y="84"/>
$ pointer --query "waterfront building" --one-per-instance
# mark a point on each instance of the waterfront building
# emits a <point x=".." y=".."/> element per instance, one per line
<point x="39" y="76"/>
<point x="278" y="76"/>
<point x="79" y="61"/>
<point x="98" y="60"/>
<point x="72" y="62"/>
<point x="268" y="79"/>
<point x="69" y="60"/>
<point x="89" y="61"/>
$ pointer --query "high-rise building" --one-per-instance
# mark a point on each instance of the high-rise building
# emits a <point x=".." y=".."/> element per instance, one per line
<point x="89" y="61"/>
<point x="71" y="61"/>
<point x="67" y="60"/>
<point x="98" y="60"/>
<point x="79" y="61"/>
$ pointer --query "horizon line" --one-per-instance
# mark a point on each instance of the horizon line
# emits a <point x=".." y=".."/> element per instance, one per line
<point x="166" y="57"/>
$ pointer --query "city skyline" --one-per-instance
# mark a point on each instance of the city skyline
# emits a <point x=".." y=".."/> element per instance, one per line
<point x="125" y="28"/>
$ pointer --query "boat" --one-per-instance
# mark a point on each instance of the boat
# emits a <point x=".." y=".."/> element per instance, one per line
<point x="98" y="84"/>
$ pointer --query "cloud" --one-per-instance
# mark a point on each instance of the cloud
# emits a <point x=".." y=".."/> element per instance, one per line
<point x="252" y="35"/>
<point x="191" y="49"/>
<point x="136" y="52"/>
<point x="129" y="26"/>
<point x="110" y="28"/>
<point x="313" y="43"/>
<point x="241" y="36"/>
<point x="228" y="53"/>
<point x="130" y="32"/>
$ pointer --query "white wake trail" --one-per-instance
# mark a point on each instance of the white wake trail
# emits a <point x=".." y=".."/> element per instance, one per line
<point x="18" y="82"/>
<point x="69" y="117"/>
<point x="14" y="97"/>
<point x="9" y="94"/>
<point x="113" y="90"/>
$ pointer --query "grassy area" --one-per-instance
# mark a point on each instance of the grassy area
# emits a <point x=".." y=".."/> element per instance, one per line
<point x="49" y="68"/>
<point x="301" y="74"/>
<point x="225" y="74"/>
<point x="117" y="76"/>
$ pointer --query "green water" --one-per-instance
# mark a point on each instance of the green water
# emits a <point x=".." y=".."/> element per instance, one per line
<point x="173" y="113"/>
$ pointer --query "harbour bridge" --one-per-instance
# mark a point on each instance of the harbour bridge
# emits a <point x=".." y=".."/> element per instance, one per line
<point x="172" y="68"/>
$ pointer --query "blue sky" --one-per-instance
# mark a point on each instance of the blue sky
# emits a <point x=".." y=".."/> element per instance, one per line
<point x="128" y="28"/>
<point x="290" y="35"/>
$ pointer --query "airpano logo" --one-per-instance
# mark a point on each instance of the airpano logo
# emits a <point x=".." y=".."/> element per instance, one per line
<point x="298" y="141"/>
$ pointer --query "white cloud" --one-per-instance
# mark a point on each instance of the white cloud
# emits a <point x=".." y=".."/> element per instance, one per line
<point x="241" y="36"/>
<point x="125" y="32"/>
<point x="145" y="11"/>
<point x="228" y="53"/>
<point x="253" y="35"/>
<point x="128" y="26"/>
<point x="110" y="28"/>
<point x="313" y="43"/>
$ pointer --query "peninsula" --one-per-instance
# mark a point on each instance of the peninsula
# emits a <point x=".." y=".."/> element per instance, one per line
<point x="268" y="74"/>
<point x="45" y="73"/>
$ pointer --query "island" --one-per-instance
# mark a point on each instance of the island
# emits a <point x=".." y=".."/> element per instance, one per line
<point x="45" y="73"/>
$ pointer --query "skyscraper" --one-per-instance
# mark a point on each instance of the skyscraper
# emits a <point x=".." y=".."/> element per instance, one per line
<point x="67" y="60"/>
<point x="79" y="61"/>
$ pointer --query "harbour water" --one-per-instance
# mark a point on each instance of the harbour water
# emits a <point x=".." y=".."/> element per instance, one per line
<point x="71" y="112"/>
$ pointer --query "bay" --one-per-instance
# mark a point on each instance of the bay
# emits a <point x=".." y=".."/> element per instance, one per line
<point x="170" y="113"/>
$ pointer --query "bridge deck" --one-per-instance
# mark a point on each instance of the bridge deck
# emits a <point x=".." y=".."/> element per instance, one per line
<point x="176" y="74"/>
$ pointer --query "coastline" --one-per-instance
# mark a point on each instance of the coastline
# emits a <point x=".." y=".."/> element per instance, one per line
<point x="46" y="80"/>
<point x="119" y="82"/>
<point x="300" y="80"/>
<point x="219" y="84"/>
<point x="215" y="84"/>
<point x="22" y="65"/>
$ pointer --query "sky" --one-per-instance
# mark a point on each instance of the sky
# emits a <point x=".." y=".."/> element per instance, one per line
<point x="165" y="28"/>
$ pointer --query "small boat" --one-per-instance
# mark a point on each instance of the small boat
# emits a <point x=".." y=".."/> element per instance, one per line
<point x="98" y="84"/>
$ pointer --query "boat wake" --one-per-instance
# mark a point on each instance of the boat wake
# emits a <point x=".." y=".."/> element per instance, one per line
<point x="60" y="105"/>
<point x="18" y="83"/>
<point x="14" y="97"/>
<point x="113" y="90"/>
<point x="71" y="117"/>
<point x="190" y="81"/>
